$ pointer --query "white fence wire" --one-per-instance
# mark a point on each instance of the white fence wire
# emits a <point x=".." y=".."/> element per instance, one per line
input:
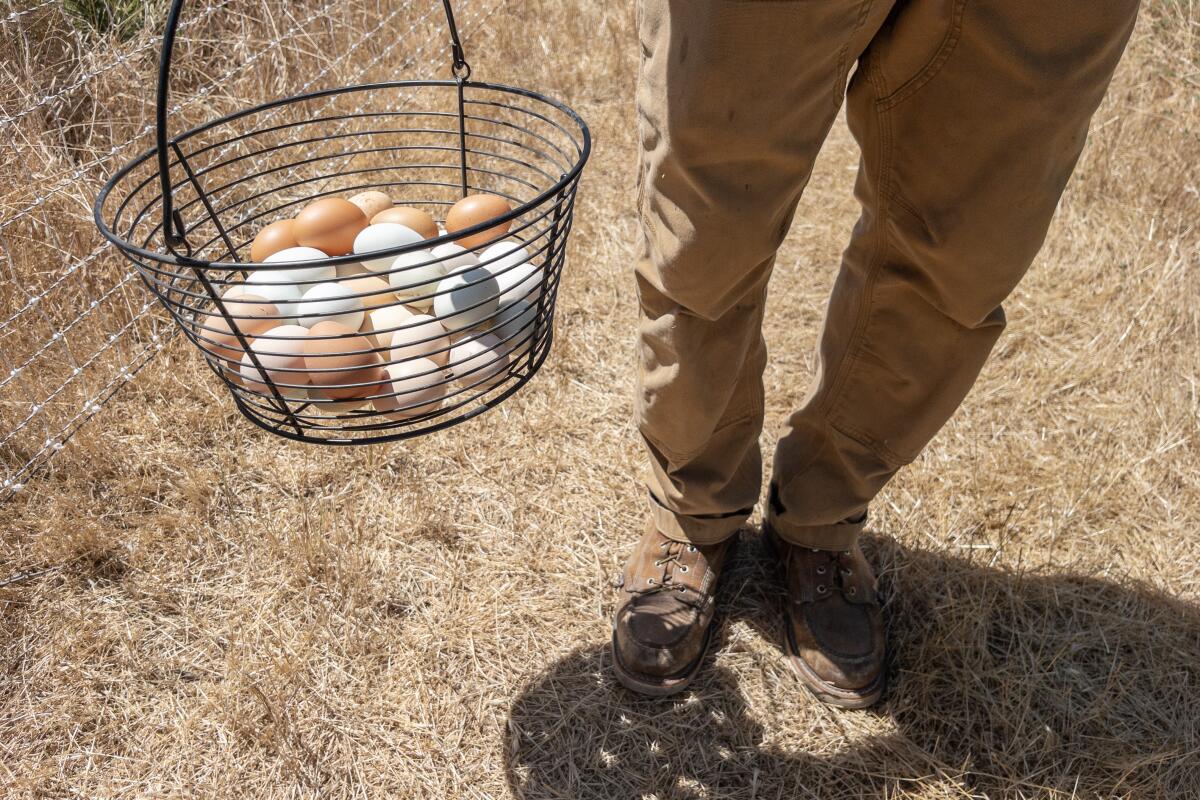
<point x="75" y="323"/>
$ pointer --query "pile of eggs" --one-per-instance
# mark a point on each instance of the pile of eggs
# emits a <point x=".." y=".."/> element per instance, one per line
<point x="391" y="331"/>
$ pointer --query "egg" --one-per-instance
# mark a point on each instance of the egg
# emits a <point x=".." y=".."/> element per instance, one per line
<point x="415" y="277"/>
<point x="415" y="388"/>
<point x="381" y="323"/>
<point x="519" y="279"/>
<point x="455" y="258"/>
<point x="513" y="326"/>
<point x="383" y="236"/>
<point x="478" y="209"/>
<point x="280" y="351"/>
<point x="331" y="302"/>
<point x="330" y="225"/>
<point x="283" y="295"/>
<point x="421" y="336"/>
<point x="371" y="203"/>
<point x="478" y="362"/>
<point x="299" y="275"/>
<point x="409" y="217"/>
<point x="466" y="299"/>
<point x="277" y="236"/>
<point x="373" y="291"/>
<point x="253" y="316"/>
<point x="340" y="366"/>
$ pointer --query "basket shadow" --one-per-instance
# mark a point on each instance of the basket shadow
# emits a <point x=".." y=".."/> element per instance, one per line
<point x="1003" y="684"/>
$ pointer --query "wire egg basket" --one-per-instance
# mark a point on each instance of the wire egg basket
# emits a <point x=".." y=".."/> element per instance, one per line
<point x="348" y="349"/>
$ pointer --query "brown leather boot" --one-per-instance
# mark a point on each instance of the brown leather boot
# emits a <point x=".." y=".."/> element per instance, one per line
<point x="663" y="620"/>
<point x="834" y="622"/>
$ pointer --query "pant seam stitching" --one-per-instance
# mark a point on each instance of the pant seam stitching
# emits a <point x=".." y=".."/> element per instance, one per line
<point x="930" y="70"/>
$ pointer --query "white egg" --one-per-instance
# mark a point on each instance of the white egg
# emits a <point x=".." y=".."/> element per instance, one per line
<point x="274" y="287"/>
<point x="466" y="299"/>
<point x="456" y="258"/>
<point x="415" y="278"/>
<point x="305" y="276"/>
<point x="280" y="351"/>
<point x="384" y="236"/>
<point x="331" y="302"/>
<point x="519" y="279"/>
<point x="478" y="362"/>
<point x="416" y="388"/>
<point x="421" y="337"/>
<point x="514" y="324"/>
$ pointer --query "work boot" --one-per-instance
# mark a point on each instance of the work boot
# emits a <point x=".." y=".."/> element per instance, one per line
<point x="835" y="637"/>
<point x="663" y="620"/>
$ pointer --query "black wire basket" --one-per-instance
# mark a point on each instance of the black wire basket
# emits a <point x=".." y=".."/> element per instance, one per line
<point x="344" y="348"/>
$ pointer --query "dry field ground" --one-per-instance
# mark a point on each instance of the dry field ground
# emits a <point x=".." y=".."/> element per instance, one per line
<point x="213" y="612"/>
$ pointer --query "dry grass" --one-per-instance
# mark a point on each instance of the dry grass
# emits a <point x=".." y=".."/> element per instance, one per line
<point x="221" y="614"/>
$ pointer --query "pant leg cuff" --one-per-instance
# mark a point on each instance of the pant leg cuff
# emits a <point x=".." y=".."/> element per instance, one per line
<point x="698" y="530"/>
<point x="837" y="536"/>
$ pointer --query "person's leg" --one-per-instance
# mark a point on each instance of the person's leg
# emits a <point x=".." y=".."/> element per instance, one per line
<point x="734" y="101"/>
<point x="971" y="115"/>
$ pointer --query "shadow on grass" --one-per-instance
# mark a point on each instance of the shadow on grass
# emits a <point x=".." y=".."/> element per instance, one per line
<point x="1002" y="685"/>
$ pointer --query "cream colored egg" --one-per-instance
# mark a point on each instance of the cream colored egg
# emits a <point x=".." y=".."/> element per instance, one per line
<point x="478" y="362"/>
<point x="383" y="236"/>
<point x="416" y="388"/>
<point x="280" y="351"/>
<point x="371" y="203"/>
<point x="421" y="337"/>
<point x="415" y="278"/>
<point x="381" y="323"/>
<point x="519" y="279"/>
<point x="372" y="290"/>
<point x="466" y="299"/>
<point x="331" y="302"/>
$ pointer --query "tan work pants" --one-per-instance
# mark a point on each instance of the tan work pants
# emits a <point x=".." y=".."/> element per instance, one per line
<point x="970" y="116"/>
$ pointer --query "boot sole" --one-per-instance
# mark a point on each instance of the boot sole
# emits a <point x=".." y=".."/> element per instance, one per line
<point x="824" y="691"/>
<point x="659" y="687"/>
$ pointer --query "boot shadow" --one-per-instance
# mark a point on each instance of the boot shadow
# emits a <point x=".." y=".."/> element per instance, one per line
<point x="1001" y="685"/>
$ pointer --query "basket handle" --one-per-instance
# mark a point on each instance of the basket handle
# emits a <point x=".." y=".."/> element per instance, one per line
<point x="174" y="231"/>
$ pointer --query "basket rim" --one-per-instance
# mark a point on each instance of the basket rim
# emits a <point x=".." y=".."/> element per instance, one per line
<point x="167" y="257"/>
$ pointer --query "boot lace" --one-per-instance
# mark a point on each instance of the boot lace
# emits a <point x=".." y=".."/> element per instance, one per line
<point x="671" y="560"/>
<point x="835" y="569"/>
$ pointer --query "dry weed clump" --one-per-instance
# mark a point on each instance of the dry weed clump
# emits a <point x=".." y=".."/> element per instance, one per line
<point x="191" y="608"/>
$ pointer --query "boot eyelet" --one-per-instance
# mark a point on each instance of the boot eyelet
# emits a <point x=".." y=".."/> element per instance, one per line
<point x="822" y="588"/>
<point x="821" y="570"/>
<point x="691" y="548"/>
<point x="847" y="573"/>
<point x="681" y="588"/>
<point x="845" y="552"/>
<point x="683" y="568"/>
<point x="650" y="581"/>
<point x="851" y="591"/>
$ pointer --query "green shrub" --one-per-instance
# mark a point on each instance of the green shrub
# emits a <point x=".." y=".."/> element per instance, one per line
<point x="123" y="19"/>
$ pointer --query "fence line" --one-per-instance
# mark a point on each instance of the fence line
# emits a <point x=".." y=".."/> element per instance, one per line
<point x="21" y="464"/>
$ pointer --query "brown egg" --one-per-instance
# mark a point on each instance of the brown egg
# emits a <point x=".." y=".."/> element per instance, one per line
<point x="375" y="290"/>
<point x="279" y="235"/>
<point x="253" y="316"/>
<point x="330" y="225"/>
<point x="371" y="203"/>
<point x="475" y="210"/>
<point x="349" y="358"/>
<point x="411" y="218"/>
